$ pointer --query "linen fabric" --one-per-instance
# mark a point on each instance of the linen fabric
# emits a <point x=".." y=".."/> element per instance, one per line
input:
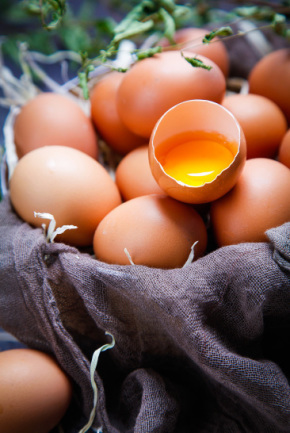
<point x="201" y="349"/>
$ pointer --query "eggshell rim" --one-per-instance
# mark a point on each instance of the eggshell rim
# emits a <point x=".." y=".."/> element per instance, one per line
<point x="238" y="155"/>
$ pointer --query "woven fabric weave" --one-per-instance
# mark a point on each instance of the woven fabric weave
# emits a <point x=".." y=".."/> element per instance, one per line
<point x="198" y="349"/>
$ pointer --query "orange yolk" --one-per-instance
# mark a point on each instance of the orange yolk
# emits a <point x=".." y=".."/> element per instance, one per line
<point x="196" y="161"/>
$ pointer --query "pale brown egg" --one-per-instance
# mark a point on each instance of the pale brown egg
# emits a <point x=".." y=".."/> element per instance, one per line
<point x="73" y="187"/>
<point x="262" y="122"/>
<point x="155" y="84"/>
<point x="284" y="150"/>
<point x="51" y="119"/>
<point x="106" y="118"/>
<point x="190" y="39"/>
<point x="35" y="392"/>
<point x="134" y="176"/>
<point x="152" y="230"/>
<point x="259" y="201"/>
<point x="270" y="77"/>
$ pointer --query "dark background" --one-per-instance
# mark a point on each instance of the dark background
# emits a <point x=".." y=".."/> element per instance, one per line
<point x="243" y="50"/>
<point x="243" y="53"/>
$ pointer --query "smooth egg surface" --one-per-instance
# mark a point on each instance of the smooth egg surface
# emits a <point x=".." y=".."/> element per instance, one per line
<point x="284" y="150"/>
<point x="70" y="185"/>
<point x="134" y="176"/>
<point x="259" y="201"/>
<point x="155" y="84"/>
<point x="262" y="121"/>
<point x="35" y="392"/>
<point x="153" y="230"/>
<point x="51" y="119"/>
<point x="190" y="39"/>
<point x="270" y="77"/>
<point x="106" y="118"/>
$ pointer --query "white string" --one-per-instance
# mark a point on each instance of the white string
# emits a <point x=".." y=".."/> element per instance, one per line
<point x="52" y="232"/>
<point x="129" y="256"/>
<point x="191" y="255"/>
<point x="93" y="367"/>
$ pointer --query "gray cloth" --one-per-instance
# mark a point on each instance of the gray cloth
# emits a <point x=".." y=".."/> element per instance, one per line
<point x="200" y="349"/>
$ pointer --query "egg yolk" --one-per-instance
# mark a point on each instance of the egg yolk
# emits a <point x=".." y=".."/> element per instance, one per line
<point x="197" y="161"/>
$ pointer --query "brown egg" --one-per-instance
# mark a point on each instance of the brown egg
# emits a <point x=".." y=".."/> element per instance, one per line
<point x="67" y="183"/>
<point x="155" y="84"/>
<point x="106" y="118"/>
<point x="134" y="177"/>
<point x="258" y="202"/>
<point x="197" y="151"/>
<point x="52" y="119"/>
<point x="190" y="39"/>
<point x="284" y="150"/>
<point x="35" y="392"/>
<point x="262" y="122"/>
<point x="154" y="230"/>
<point x="270" y="77"/>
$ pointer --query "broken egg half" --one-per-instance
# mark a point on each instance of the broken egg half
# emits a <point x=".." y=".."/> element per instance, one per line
<point x="197" y="151"/>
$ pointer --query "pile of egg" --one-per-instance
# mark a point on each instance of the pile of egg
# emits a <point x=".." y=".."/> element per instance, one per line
<point x="162" y="118"/>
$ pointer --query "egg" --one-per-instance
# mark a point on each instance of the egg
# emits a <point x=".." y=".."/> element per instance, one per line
<point x="106" y="118"/>
<point x="51" y="119"/>
<point x="134" y="177"/>
<point x="197" y="151"/>
<point x="35" y="392"/>
<point x="262" y="122"/>
<point x="284" y="150"/>
<point x="190" y="39"/>
<point x="155" y="84"/>
<point x="152" y="230"/>
<point x="270" y="77"/>
<point x="258" y="202"/>
<point x="72" y="186"/>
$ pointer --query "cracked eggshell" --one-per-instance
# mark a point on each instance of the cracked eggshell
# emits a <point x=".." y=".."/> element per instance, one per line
<point x="188" y="117"/>
<point x="156" y="230"/>
<point x="70" y="185"/>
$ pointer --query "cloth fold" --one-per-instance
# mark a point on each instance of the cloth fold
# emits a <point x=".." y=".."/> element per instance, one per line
<point x="197" y="348"/>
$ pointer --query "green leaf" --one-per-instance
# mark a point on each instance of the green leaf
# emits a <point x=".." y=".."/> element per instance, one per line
<point x="255" y="12"/>
<point x="196" y="63"/>
<point x="133" y="29"/>
<point x="83" y="80"/>
<point x="181" y="12"/>
<point x="279" y="25"/>
<point x="123" y="70"/>
<point x="148" y="53"/>
<point x="168" y="5"/>
<point x="105" y="25"/>
<point x="51" y="11"/>
<point x="169" y="24"/>
<point x="75" y="38"/>
<point x="136" y="14"/>
<point x="222" y="31"/>
<point x="32" y="7"/>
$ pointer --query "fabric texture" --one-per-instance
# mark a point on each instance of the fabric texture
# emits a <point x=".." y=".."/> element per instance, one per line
<point x="199" y="349"/>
